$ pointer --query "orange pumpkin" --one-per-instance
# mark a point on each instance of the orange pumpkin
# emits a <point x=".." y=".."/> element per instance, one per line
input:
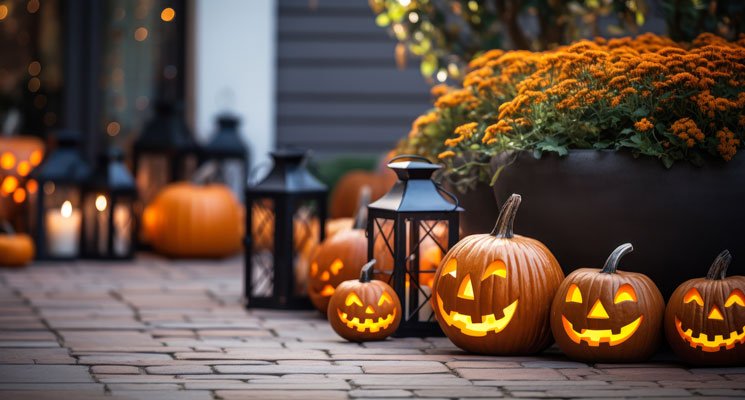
<point x="16" y="249"/>
<point x="346" y="193"/>
<point x="187" y="220"/>
<point x="608" y="315"/>
<point x="364" y="309"/>
<point x="492" y="292"/>
<point x="705" y="317"/>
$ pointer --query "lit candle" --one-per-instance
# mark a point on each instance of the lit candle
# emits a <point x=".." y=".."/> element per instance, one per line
<point x="102" y="235"/>
<point x="122" y="229"/>
<point x="63" y="231"/>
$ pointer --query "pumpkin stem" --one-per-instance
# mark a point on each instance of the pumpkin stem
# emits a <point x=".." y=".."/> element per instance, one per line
<point x="611" y="264"/>
<point x="718" y="269"/>
<point x="503" y="227"/>
<point x="360" y="218"/>
<point x="367" y="271"/>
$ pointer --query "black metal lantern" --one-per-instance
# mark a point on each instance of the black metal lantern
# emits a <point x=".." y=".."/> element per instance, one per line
<point x="412" y="215"/>
<point x="164" y="152"/>
<point x="285" y="220"/>
<point x="108" y="210"/>
<point x="54" y="209"/>
<point x="229" y="153"/>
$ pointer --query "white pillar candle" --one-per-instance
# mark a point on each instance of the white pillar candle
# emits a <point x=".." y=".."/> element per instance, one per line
<point x="63" y="231"/>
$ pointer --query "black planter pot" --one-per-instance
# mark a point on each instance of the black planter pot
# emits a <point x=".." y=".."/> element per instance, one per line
<point x="585" y="204"/>
<point x="481" y="209"/>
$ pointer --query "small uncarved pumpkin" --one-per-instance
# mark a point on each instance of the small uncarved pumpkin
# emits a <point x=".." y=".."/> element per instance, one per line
<point x="187" y="220"/>
<point x="493" y="292"/>
<point x="365" y="309"/>
<point x="16" y="250"/>
<point x="705" y="317"/>
<point x="346" y="193"/>
<point x="608" y="315"/>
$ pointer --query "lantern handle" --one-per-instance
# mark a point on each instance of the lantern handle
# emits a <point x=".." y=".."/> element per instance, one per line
<point x="367" y="271"/>
<point x="414" y="156"/>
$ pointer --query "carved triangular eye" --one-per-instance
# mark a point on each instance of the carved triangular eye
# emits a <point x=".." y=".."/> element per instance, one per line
<point x="574" y="295"/>
<point x="450" y="268"/>
<point x="497" y="268"/>
<point x="385" y="298"/>
<point x="353" y="299"/>
<point x="625" y="293"/>
<point x="736" y="297"/>
<point x="693" y="295"/>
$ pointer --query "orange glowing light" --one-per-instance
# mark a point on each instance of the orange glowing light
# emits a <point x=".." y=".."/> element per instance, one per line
<point x="35" y="158"/>
<point x="19" y="196"/>
<point x="32" y="186"/>
<point x="7" y="160"/>
<point x="23" y="168"/>
<point x="167" y="14"/>
<point x="10" y="183"/>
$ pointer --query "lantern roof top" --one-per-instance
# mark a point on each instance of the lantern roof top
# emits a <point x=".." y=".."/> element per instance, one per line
<point x="64" y="164"/>
<point x="166" y="130"/>
<point x="415" y="191"/>
<point x="288" y="175"/>
<point x="227" y="141"/>
<point x="111" y="175"/>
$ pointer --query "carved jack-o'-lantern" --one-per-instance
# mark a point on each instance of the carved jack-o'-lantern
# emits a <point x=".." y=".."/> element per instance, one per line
<point x="705" y="317"/>
<point x="493" y="292"/>
<point x="364" y="309"/>
<point x="339" y="258"/>
<point x="608" y="315"/>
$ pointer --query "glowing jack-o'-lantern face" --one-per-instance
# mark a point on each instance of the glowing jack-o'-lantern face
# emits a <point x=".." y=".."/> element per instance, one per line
<point x="594" y="337"/>
<point x="705" y="317"/>
<point x="337" y="259"/>
<point x="364" y="309"/>
<point x="607" y="315"/>
<point x="492" y="293"/>
<point x="467" y="323"/>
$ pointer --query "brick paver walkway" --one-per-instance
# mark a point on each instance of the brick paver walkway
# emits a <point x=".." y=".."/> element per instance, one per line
<point x="176" y="330"/>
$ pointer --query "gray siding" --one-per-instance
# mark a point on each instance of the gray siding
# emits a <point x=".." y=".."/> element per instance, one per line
<point x="338" y="88"/>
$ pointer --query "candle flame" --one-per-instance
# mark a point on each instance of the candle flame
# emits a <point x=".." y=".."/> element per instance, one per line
<point x="101" y="202"/>
<point x="66" y="209"/>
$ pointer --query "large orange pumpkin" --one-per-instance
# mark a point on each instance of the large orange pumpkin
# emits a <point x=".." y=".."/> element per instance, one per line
<point x="705" y="317"/>
<point x="608" y="315"/>
<point x="346" y="193"/>
<point x="187" y="220"/>
<point x="492" y="292"/>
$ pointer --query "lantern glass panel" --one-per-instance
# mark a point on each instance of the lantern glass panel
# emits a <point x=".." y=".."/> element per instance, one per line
<point x="62" y="219"/>
<point x="108" y="235"/>
<point x="153" y="173"/>
<point x="306" y="235"/>
<point x="426" y="241"/>
<point x="262" y="258"/>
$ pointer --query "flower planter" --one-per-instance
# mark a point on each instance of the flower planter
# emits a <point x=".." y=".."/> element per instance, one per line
<point x="481" y="210"/>
<point x="585" y="204"/>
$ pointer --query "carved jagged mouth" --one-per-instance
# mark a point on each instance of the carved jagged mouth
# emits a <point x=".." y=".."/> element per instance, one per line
<point x="489" y="323"/>
<point x="369" y="323"/>
<point x="593" y="337"/>
<point x="702" y="340"/>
